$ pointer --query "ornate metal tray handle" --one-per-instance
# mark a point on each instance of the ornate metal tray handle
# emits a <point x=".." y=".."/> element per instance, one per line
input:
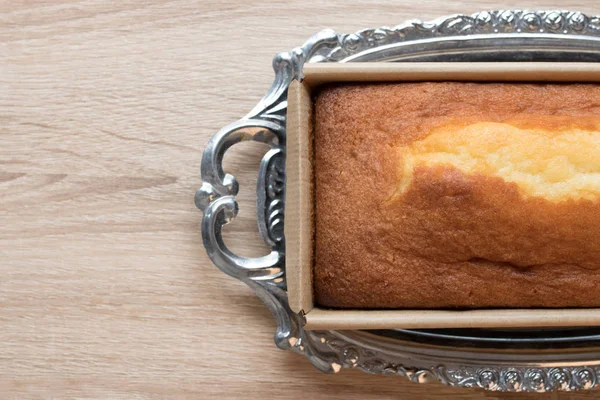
<point x="216" y="198"/>
<point x="484" y="36"/>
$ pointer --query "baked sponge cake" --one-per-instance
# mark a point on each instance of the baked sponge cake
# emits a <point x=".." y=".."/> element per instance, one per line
<point x="457" y="195"/>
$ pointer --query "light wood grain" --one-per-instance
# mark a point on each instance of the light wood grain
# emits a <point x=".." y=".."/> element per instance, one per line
<point x="105" y="106"/>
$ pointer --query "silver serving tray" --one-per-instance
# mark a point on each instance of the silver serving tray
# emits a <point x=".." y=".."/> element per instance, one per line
<point x="503" y="360"/>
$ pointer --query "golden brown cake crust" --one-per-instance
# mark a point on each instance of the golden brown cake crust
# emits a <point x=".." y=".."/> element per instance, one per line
<point x="452" y="239"/>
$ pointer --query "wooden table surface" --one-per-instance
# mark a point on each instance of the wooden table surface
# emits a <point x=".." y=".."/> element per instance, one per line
<point x="105" y="107"/>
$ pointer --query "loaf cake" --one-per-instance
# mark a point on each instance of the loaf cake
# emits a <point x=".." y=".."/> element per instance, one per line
<point x="456" y="195"/>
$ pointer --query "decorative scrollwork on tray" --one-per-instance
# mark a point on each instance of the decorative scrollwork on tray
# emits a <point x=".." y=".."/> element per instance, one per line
<point x="525" y="379"/>
<point x="495" y="378"/>
<point x="332" y="351"/>
<point x="481" y="23"/>
<point x="271" y="199"/>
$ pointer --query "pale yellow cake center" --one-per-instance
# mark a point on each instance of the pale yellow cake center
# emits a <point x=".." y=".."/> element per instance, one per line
<point x="557" y="164"/>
